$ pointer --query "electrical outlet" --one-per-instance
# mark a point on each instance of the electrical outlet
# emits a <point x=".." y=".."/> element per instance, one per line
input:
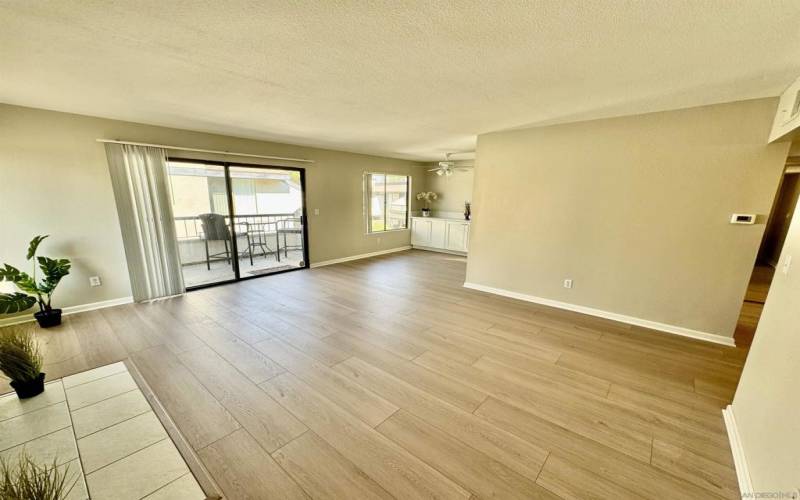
<point x="316" y="211"/>
<point x="94" y="281"/>
<point x="567" y="283"/>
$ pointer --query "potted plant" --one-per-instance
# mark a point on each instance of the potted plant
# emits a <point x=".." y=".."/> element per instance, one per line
<point x="428" y="197"/>
<point x="31" y="292"/>
<point x="25" y="479"/>
<point x="21" y="361"/>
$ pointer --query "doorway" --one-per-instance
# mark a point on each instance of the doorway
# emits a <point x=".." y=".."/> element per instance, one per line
<point x="768" y="253"/>
<point x="237" y="221"/>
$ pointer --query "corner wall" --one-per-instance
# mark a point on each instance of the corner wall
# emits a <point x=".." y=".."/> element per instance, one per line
<point x="634" y="210"/>
<point x="453" y="191"/>
<point x="54" y="180"/>
<point x="765" y="404"/>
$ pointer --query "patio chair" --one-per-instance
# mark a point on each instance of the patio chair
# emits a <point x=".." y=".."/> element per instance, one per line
<point x="292" y="225"/>
<point x="215" y="229"/>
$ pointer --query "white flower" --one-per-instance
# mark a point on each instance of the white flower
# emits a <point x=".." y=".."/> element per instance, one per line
<point x="428" y="197"/>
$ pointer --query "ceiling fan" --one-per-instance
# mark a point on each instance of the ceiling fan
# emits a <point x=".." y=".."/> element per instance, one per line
<point x="448" y="166"/>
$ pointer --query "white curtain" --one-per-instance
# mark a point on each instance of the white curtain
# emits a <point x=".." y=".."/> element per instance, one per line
<point x="141" y="187"/>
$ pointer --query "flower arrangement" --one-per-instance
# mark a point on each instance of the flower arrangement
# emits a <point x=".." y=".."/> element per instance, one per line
<point x="428" y="197"/>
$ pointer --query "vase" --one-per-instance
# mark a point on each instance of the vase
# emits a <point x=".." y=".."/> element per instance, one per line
<point x="49" y="318"/>
<point x="29" y="388"/>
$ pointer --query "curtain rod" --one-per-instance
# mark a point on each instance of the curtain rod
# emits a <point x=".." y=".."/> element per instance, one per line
<point x="163" y="146"/>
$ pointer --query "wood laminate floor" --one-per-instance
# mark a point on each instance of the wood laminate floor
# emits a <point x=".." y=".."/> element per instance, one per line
<point x="385" y="378"/>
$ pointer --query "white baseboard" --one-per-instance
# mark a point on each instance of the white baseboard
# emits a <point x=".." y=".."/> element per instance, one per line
<point x="440" y="250"/>
<point x="739" y="462"/>
<point x="631" y="320"/>
<point x="361" y="256"/>
<point x="24" y="318"/>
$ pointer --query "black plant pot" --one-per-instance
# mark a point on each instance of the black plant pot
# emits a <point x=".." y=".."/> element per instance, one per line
<point x="29" y="388"/>
<point x="49" y="318"/>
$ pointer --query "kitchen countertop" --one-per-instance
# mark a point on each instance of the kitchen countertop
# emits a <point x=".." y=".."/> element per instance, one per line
<point x="451" y="219"/>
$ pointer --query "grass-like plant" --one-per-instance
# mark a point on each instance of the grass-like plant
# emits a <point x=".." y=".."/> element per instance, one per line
<point x="20" y="358"/>
<point x="24" y="479"/>
<point x="32" y="291"/>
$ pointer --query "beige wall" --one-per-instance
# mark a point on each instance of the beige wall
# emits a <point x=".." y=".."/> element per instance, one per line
<point x="55" y="180"/>
<point x="635" y="210"/>
<point x="453" y="191"/>
<point x="765" y="405"/>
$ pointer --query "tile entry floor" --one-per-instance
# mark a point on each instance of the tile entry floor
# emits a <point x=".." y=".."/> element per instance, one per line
<point x="99" y="426"/>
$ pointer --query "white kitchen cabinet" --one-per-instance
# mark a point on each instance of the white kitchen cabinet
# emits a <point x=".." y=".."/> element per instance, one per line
<point x="446" y="235"/>
<point x="421" y="232"/>
<point x="457" y="237"/>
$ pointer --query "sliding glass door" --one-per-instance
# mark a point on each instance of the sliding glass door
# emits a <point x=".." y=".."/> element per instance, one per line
<point x="269" y="215"/>
<point x="237" y="221"/>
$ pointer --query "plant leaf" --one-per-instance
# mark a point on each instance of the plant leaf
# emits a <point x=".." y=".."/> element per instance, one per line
<point x="11" y="303"/>
<point x="54" y="270"/>
<point x="9" y="273"/>
<point x="34" y="245"/>
<point x="23" y="280"/>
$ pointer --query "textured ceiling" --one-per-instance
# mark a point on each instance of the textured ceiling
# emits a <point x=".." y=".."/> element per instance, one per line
<point x="407" y="79"/>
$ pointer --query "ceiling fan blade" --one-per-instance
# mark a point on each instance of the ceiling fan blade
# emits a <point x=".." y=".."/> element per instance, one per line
<point x="433" y="169"/>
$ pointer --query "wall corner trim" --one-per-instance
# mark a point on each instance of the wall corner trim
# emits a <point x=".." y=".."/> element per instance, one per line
<point x="631" y="320"/>
<point x="358" y="257"/>
<point x="739" y="460"/>
<point x="15" y="320"/>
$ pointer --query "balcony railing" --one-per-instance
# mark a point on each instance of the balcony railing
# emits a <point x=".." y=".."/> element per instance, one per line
<point x="189" y="227"/>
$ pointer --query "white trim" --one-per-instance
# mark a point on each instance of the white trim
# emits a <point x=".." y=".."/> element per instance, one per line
<point x="739" y="461"/>
<point x="631" y="320"/>
<point x="440" y="250"/>
<point x="358" y="257"/>
<point x="15" y="320"/>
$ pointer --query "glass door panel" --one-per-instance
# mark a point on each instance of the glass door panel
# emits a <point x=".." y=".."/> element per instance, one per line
<point x="201" y="206"/>
<point x="269" y="218"/>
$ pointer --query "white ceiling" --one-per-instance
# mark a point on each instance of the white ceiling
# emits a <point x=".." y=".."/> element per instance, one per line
<point x="408" y="79"/>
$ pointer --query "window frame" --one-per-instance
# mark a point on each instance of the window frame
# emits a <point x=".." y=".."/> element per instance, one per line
<point x="367" y="203"/>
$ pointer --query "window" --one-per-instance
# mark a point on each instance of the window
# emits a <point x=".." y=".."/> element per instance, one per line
<point x="386" y="201"/>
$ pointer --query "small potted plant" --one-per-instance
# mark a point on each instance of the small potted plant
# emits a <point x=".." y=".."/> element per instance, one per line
<point x="21" y="361"/>
<point x="23" y="478"/>
<point x="428" y="197"/>
<point x="33" y="292"/>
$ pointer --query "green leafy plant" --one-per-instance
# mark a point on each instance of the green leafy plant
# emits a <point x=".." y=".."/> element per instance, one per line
<point x="32" y="291"/>
<point x="20" y="358"/>
<point x="24" y="479"/>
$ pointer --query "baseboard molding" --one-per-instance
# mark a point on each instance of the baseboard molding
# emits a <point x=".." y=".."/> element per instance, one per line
<point x="24" y="318"/>
<point x="739" y="461"/>
<point x="631" y="320"/>
<point x="440" y="250"/>
<point x="361" y="256"/>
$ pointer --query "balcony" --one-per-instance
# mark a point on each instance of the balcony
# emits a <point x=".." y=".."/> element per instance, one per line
<point x="266" y="243"/>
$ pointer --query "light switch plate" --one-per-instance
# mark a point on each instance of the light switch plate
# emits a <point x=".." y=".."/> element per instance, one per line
<point x="787" y="263"/>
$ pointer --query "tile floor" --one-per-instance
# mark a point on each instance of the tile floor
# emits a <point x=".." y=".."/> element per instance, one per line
<point x="99" y="425"/>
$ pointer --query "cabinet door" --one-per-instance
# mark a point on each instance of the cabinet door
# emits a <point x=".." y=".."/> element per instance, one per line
<point x="421" y="232"/>
<point x="457" y="234"/>
<point x="438" y="234"/>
